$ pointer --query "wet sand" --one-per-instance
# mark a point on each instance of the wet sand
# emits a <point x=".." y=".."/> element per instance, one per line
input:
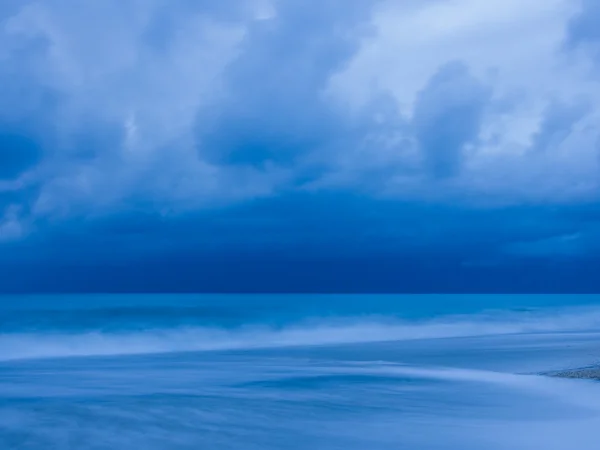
<point x="586" y="373"/>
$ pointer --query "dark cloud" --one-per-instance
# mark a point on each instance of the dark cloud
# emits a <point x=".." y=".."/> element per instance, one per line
<point x="9" y="7"/>
<point x="303" y="243"/>
<point x="26" y="106"/>
<point x="275" y="109"/>
<point x="163" y="27"/>
<point x="448" y="115"/>
<point x="21" y="198"/>
<point x="95" y="138"/>
<point x="313" y="243"/>
<point x="23" y="93"/>
<point x="18" y="152"/>
<point x="558" y="123"/>
<point x="584" y="28"/>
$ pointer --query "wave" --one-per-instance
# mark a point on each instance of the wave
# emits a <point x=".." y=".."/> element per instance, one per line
<point x="44" y="344"/>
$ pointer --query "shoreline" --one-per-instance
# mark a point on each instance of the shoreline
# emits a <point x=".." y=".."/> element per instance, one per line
<point x="584" y="373"/>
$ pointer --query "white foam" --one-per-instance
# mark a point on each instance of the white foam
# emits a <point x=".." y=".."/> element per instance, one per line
<point x="332" y="332"/>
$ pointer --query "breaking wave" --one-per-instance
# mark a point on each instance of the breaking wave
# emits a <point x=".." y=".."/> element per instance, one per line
<point x="55" y="344"/>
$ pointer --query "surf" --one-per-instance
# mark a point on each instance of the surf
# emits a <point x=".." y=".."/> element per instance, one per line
<point x="314" y="331"/>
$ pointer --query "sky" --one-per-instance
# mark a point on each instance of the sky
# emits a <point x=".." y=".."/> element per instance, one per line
<point x="299" y="146"/>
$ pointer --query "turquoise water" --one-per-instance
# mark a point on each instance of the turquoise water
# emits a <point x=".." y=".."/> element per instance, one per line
<point x="297" y="372"/>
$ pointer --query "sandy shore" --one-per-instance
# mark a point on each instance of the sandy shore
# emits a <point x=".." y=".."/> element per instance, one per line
<point x="586" y="373"/>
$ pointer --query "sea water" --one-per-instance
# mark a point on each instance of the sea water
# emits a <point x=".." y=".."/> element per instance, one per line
<point x="297" y="372"/>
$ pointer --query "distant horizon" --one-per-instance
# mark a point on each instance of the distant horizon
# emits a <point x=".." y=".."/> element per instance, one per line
<point x="277" y="278"/>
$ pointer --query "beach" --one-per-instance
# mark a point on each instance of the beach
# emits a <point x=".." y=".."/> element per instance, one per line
<point x="586" y="373"/>
<point x="376" y="373"/>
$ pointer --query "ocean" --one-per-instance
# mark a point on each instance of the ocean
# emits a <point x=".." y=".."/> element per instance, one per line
<point x="452" y="372"/>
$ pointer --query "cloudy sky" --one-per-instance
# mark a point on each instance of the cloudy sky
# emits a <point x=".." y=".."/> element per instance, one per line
<point x="296" y="145"/>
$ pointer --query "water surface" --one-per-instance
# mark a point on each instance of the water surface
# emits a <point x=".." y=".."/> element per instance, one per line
<point x="297" y="372"/>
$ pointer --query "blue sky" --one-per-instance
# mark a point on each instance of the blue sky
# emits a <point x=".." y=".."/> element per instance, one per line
<point x="286" y="145"/>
